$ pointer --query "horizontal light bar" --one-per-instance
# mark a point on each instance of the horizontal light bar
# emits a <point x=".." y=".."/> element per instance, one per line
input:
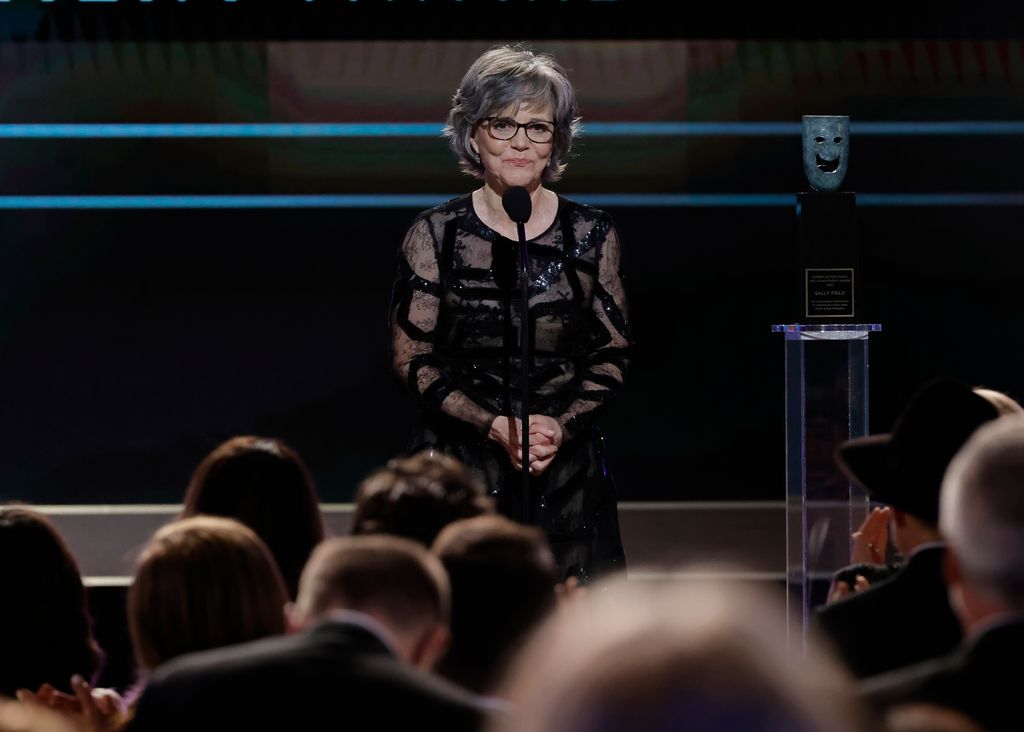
<point x="427" y="200"/>
<point x="141" y="509"/>
<point x="790" y="129"/>
<point x="642" y="575"/>
<point x="432" y="129"/>
<point x="173" y="509"/>
<point x="171" y="130"/>
<point x="662" y="576"/>
<point x="223" y="201"/>
<point x="940" y="199"/>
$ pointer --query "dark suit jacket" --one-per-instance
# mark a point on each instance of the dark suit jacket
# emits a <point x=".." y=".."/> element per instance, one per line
<point x="981" y="679"/>
<point x="898" y="622"/>
<point x="335" y="676"/>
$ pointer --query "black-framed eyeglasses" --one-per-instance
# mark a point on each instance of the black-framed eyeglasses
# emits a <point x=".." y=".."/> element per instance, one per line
<point x="505" y="128"/>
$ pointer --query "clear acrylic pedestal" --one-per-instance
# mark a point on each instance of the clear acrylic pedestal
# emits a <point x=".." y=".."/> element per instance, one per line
<point x="826" y="404"/>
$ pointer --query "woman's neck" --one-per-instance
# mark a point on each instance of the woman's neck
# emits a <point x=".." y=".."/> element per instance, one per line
<point x="488" y="206"/>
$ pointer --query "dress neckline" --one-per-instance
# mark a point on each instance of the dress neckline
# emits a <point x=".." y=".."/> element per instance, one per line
<point x="493" y="234"/>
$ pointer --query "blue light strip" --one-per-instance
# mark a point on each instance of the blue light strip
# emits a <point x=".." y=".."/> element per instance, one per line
<point x="431" y="129"/>
<point x="224" y="201"/>
<point x="953" y="129"/>
<point x="692" y="129"/>
<point x="426" y="200"/>
<point x="940" y="199"/>
<point x="188" y="130"/>
<point x="687" y="200"/>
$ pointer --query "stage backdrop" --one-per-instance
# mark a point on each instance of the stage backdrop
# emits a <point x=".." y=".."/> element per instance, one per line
<point x="165" y="287"/>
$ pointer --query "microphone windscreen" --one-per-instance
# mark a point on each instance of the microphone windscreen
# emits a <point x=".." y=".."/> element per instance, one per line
<point x="517" y="204"/>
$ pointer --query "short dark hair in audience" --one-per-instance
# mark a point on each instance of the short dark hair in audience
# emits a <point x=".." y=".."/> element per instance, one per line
<point x="417" y="496"/>
<point x="44" y="617"/>
<point x="503" y="578"/>
<point x="264" y="484"/>
<point x="386" y="576"/>
<point x="201" y="583"/>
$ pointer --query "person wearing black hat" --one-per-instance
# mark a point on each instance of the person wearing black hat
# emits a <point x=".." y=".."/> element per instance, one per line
<point x="906" y="618"/>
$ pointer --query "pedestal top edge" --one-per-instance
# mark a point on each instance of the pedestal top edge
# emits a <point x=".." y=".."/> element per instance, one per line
<point x="826" y="331"/>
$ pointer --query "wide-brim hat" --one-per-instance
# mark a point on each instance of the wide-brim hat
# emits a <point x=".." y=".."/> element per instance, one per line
<point x="904" y="468"/>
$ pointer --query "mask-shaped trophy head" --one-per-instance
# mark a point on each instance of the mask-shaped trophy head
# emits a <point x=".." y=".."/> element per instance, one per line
<point x="826" y="150"/>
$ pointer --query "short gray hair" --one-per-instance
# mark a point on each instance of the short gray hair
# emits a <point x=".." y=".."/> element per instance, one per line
<point x="981" y="511"/>
<point x="507" y="76"/>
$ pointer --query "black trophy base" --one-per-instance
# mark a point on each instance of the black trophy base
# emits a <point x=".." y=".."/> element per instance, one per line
<point x="828" y="265"/>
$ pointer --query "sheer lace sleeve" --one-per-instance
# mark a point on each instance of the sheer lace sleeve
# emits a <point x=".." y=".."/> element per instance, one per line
<point x="415" y="305"/>
<point x="607" y="364"/>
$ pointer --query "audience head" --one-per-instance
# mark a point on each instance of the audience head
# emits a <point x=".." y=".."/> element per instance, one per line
<point x="201" y="583"/>
<point x="922" y="717"/>
<point x="1004" y="403"/>
<point x="665" y="657"/>
<point x="395" y="581"/>
<point x="264" y="484"/>
<point x="904" y="468"/>
<point x="17" y="716"/>
<point x="47" y="630"/>
<point x="982" y="518"/>
<point x="417" y="496"/>
<point x="503" y="578"/>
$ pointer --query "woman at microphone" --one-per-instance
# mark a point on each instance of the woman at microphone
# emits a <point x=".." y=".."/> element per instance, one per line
<point x="455" y="313"/>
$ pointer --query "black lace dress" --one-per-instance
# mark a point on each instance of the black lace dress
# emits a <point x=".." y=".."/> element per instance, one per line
<point x="455" y="344"/>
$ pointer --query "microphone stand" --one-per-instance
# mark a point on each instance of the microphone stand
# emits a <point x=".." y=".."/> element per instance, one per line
<point x="524" y="340"/>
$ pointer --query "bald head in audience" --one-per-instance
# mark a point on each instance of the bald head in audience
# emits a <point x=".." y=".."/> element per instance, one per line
<point x="659" y="657"/>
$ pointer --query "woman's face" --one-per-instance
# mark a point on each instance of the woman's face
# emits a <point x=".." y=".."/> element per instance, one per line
<point x="518" y="161"/>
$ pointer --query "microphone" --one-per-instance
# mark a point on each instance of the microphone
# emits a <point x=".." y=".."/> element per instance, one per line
<point x="517" y="204"/>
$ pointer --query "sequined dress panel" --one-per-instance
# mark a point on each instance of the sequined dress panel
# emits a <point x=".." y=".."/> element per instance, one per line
<point x="455" y="345"/>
